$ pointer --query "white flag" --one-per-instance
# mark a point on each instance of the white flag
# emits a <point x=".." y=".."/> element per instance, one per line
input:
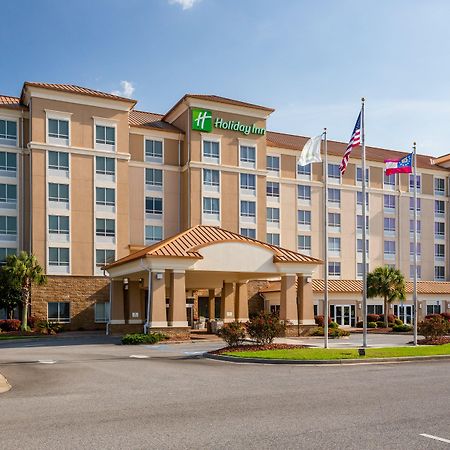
<point x="311" y="151"/>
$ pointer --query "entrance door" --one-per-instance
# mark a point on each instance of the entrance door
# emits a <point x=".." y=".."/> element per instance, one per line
<point x="404" y="313"/>
<point x="344" y="315"/>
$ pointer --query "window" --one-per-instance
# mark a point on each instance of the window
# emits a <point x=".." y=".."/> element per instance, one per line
<point x="153" y="233"/>
<point x="58" y="161"/>
<point x="359" y="246"/>
<point x="359" y="197"/>
<point x="105" y="166"/>
<point x="248" y="155"/>
<point x="418" y="226"/>
<point x="334" y="244"/>
<point x="411" y="182"/>
<point x="273" y="215"/>
<point x="58" y="192"/>
<point x="304" y="171"/>
<point x="273" y="238"/>
<point x="8" y="132"/>
<point x="439" y="273"/>
<point x="248" y="181"/>
<point x="334" y="220"/>
<point x="359" y="174"/>
<point x="211" y="178"/>
<point x="389" y="249"/>
<point x="58" y="256"/>
<point x="304" y="243"/>
<point x="389" y="225"/>
<point x="8" y="225"/>
<point x="303" y="217"/>
<point x="333" y="172"/>
<point x="105" y="135"/>
<point x="439" y="251"/>
<point x="153" y="150"/>
<point x="103" y="257"/>
<point x="334" y="269"/>
<point x="439" y="186"/>
<point x="389" y="202"/>
<point x="211" y="150"/>
<point x="273" y="163"/>
<point x="5" y="252"/>
<point x="273" y="189"/>
<point x="374" y="309"/>
<point x="439" y="229"/>
<point x="153" y="205"/>
<point x="303" y="192"/>
<point x="58" y="224"/>
<point x="102" y="312"/>
<point x="8" y="193"/>
<point x="153" y="177"/>
<point x="389" y="180"/>
<point x="58" y="312"/>
<point x="105" y="227"/>
<point x="248" y="209"/>
<point x="411" y="204"/>
<point x="411" y="271"/>
<point x="439" y="207"/>
<point x="334" y="196"/>
<point x="211" y="205"/>
<point x="249" y="232"/>
<point x="8" y="162"/>
<point x="411" y="249"/>
<point x="359" y="222"/>
<point x="433" y="308"/>
<point x="58" y="128"/>
<point x="359" y="269"/>
<point x="105" y="196"/>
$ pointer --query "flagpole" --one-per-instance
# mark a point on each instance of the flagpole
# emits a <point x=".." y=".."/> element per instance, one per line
<point x="364" y="250"/>
<point x="326" y="309"/>
<point x="415" y="245"/>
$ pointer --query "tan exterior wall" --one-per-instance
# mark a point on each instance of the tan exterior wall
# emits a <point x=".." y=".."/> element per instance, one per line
<point x="230" y="197"/>
<point x="122" y="209"/>
<point x="171" y="202"/>
<point x="137" y="205"/>
<point x="39" y="206"/>
<point x="137" y="149"/>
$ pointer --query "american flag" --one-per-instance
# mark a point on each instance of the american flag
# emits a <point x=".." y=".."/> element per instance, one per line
<point x="355" y="140"/>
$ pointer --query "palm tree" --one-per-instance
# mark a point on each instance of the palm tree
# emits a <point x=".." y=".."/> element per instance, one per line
<point x="388" y="283"/>
<point x="27" y="271"/>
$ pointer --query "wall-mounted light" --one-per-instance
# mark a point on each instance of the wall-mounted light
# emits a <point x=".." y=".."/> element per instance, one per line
<point x="159" y="276"/>
<point x="141" y="282"/>
<point x="308" y="279"/>
<point x="125" y="283"/>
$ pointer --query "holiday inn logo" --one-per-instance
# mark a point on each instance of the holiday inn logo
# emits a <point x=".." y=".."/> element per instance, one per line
<point x="202" y="120"/>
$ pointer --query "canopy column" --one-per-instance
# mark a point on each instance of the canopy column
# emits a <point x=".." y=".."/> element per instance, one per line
<point x="288" y="299"/>
<point x="211" y="304"/>
<point x="241" y="302"/>
<point x="177" y="299"/>
<point x="135" y="315"/>
<point x="116" y="302"/>
<point x="305" y="300"/>
<point x="227" y="303"/>
<point x="158" y="317"/>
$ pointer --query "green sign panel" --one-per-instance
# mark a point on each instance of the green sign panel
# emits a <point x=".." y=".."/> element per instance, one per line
<point x="202" y="120"/>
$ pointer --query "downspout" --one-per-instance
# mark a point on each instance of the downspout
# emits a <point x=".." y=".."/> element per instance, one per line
<point x="149" y="298"/>
<point x="108" y="324"/>
<point x="30" y="244"/>
<point x="179" y="183"/>
<point x="22" y="179"/>
<point x="188" y="168"/>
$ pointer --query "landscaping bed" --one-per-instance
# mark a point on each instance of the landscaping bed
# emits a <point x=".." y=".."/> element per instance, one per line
<point x="255" y="348"/>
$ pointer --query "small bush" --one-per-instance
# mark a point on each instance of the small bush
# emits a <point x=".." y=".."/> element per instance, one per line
<point x="381" y="324"/>
<point x="434" y="327"/>
<point x="372" y="325"/>
<point x="402" y="328"/>
<point x="10" y="325"/>
<point x="333" y="325"/>
<point x="141" y="338"/>
<point x="359" y="324"/>
<point x="264" y="328"/>
<point x="320" y="320"/>
<point x="373" y="317"/>
<point x="398" y="322"/>
<point x="32" y="321"/>
<point x="47" y="327"/>
<point x="446" y="315"/>
<point x="391" y="318"/>
<point x="332" y="332"/>
<point x="232" y="333"/>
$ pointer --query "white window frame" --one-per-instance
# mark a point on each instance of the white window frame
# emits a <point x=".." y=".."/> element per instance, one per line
<point x="59" y="318"/>
<point x="248" y="164"/>
<point x="211" y="138"/>
<point x="105" y="123"/>
<point x="107" y="313"/>
<point x="154" y="159"/>
<point x="270" y="172"/>
<point x="10" y="142"/>
<point x="58" y="115"/>
<point x="152" y="241"/>
<point x="437" y="192"/>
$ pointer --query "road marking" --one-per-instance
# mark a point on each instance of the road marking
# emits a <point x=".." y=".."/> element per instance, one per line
<point x="436" y="438"/>
<point x="46" y="361"/>
<point x="139" y="356"/>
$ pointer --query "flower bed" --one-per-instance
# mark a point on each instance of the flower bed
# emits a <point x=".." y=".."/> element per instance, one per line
<point x="435" y="341"/>
<point x="255" y="348"/>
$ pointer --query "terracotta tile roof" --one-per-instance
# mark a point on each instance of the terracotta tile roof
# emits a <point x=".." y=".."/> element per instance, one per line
<point x="186" y="244"/>
<point x="145" y="119"/>
<point x="6" y="101"/>
<point x="355" y="287"/>
<point x="73" y="89"/>
<point x="293" y="142"/>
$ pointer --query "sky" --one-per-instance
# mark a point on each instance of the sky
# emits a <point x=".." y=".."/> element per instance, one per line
<point x="311" y="60"/>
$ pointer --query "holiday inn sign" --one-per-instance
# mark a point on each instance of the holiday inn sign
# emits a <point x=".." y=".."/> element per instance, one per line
<point x="202" y="120"/>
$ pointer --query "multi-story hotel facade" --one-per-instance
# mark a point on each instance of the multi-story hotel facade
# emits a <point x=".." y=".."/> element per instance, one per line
<point x="86" y="179"/>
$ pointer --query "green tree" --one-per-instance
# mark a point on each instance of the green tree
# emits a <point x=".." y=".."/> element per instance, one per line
<point x="388" y="283"/>
<point x="10" y="293"/>
<point x="25" y="270"/>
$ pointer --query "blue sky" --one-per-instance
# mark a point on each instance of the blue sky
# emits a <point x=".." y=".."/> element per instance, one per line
<point x="310" y="60"/>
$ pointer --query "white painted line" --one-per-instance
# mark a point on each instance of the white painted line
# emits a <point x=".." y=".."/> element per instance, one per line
<point x="46" y="361"/>
<point x="436" y="438"/>
<point x="139" y="356"/>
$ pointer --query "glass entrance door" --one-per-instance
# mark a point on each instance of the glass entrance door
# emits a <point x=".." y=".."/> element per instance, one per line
<point x="344" y="315"/>
<point x="404" y="313"/>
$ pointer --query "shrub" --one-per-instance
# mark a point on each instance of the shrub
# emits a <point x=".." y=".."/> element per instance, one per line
<point x="332" y="332"/>
<point x="333" y="325"/>
<point x="446" y="315"/>
<point x="10" y="325"/>
<point x="47" y="327"/>
<point x="320" y="320"/>
<point x="32" y="321"/>
<point x="141" y="338"/>
<point x="371" y="325"/>
<point x="232" y="333"/>
<point x="373" y="318"/>
<point x="398" y="322"/>
<point x="391" y="324"/>
<point x="359" y="324"/>
<point x="264" y="328"/>
<point x="402" y="328"/>
<point x="381" y="324"/>
<point x="391" y="318"/>
<point x="434" y="327"/>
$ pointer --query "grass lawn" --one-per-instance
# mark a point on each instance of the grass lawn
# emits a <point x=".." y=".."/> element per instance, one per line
<point x="344" y="353"/>
<point x="8" y="337"/>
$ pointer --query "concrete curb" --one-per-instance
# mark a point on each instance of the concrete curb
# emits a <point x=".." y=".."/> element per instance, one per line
<point x="236" y="359"/>
<point x="4" y="385"/>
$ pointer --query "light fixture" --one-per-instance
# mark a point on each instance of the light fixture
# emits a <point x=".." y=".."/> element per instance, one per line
<point x="159" y="276"/>
<point x="308" y="279"/>
<point x="125" y="283"/>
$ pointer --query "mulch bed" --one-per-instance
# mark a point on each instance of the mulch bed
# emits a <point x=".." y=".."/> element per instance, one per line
<point x="436" y="341"/>
<point x="253" y="348"/>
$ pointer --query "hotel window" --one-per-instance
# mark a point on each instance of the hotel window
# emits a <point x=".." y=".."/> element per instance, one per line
<point x="248" y="156"/>
<point x="359" y="175"/>
<point x="439" y="273"/>
<point x="249" y="232"/>
<point x="153" y="233"/>
<point x="359" y="269"/>
<point x="248" y="209"/>
<point x="58" y="192"/>
<point x="273" y="164"/>
<point x="273" y="238"/>
<point x="58" y="161"/>
<point x="8" y="132"/>
<point x="273" y="215"/>
<point x="303" y="192"/>
<point x="8" y="163"/>
<point x="273" y="189"/>
<point x="439" y="251"/>
<point x="105" y="166"/>
<point x="333" y="172"/>
<point x="8" y="225"/>
<point x="418" y="226"/>
<point x="359" y="245"/>
<point x="105" y="227"/>
<point x="411" y="271"/>
<point x="375" y="309"/>
<point x="303" y="217"/>
<point x="334" y="197"/>
<point x="411" y="249"/>
<point x="58" y="256"/>
<point x="334" y="244"/>
<point x="58" y="312"/>
<point x="154" y="177"/>
<point x="105" y="196"/>
<point x="389" y="202"/>
<point x="211" y="151"/>
<point x="248" y="182"/>
<point x="334" y="220"/>
<point x="359" y="222"/>
<point x="153" y="205"/>
<point x="5" y="252"/>
<point x="411" y="204"/>
<point x="153" y="150"/>
<point x="211" y="178"/>
<point x="102" y="312"/>
<point x="389" y="181"/>
<point x="211" y="206"/>
<point x="8" y="193"/>
<point x="304" y="171"/>
<point x="439" y="208"/>
<point x="439" y="229"/>
<point x="359" y="198"/>
<point x="105" y="135"/>
<point x="439" y="186"/>
<point x="58" y="224"/>
<point x="304" y="243"/>
<point x="103" y="257"/>
<point x="411" y="182"/>
<point x="433" y="308"/>
<point x="389" y="249"/>
<point x="334" y="269"/>
<point x="58" y="129"/>
<point x="389" y="225"/>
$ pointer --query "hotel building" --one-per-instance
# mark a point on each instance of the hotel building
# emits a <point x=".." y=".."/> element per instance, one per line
<point x="87" y="179"/>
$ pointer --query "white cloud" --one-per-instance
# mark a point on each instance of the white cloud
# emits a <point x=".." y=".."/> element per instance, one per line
<point x="126" y="91"/>
<point x="185" y="4"/>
